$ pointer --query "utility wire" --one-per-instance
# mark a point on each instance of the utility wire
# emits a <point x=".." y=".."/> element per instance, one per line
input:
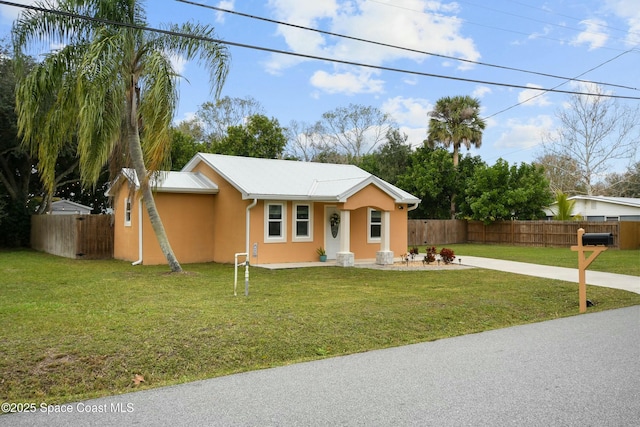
<point x="635" y="33"/>
<point x="273" y="21"/>
<point x="498" y="28"/>
<point x="555" y="87"/>
<point x="306" y="56"/>
<point x="528" y="18"/>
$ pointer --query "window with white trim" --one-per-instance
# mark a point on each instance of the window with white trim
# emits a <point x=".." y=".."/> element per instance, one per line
<point x="127" y="212"/>
<point x="374" y="225"/>
<point x="302" y="223"/>
<point x="275" y="217"/>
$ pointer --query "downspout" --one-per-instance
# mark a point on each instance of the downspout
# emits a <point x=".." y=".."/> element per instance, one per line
<point x="414" y="207"/>
<point x="248" y="226"/>
<point x="139" y="261"/>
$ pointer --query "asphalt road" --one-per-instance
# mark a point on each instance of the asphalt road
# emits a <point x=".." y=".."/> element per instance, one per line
<point x="577" y="371"/>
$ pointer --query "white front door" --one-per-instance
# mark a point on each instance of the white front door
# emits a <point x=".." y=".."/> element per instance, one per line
<point x="331" y="234"/>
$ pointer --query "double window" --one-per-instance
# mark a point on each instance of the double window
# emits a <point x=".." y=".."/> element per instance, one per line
<point x="276" y="222"/>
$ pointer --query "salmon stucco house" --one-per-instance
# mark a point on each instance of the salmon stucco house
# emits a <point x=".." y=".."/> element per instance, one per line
<point x="277" y="211"/>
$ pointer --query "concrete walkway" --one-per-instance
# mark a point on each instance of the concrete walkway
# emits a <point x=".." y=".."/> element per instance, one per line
<point x="577" y="371"/>
<point x="596" y="278"/>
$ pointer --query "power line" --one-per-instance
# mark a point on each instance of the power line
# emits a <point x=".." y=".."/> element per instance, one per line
<point x="502" y="29"/>
<point x="273" y="21"/>
<point x="305" y="56"/>
<point x="563" y="83"/>
<point x="570" y="17"/>
<point x="528" y="18"/>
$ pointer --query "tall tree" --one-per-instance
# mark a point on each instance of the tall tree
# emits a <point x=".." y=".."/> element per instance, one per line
<point x="562" y="172"/>
<point x="455" y="121"/>
<point x="594" y="131"/>
<point x="259" y="137"/>
<point x="626" y="184"/>
<point x="353" y="131"/>
<point x="17" y="182"/>
<point x="431" y="176"/>
<point x="183" y="147"/>
<point x="217" y="117"/>
<point x="113" y="86"/>
<point x="504" y="192"/>
<point x="391" y="160"/>
<point x="302" y="141"/>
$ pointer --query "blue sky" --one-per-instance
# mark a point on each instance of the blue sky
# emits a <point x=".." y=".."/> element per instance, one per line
<point x="562" y="37"/>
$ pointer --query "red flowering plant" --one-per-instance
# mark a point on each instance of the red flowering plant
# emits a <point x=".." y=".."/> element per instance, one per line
<point x="431" y="255"/>
<point x="447" y="256"/>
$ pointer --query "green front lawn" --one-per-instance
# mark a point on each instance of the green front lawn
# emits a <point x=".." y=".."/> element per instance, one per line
<point x="78" y="329"/>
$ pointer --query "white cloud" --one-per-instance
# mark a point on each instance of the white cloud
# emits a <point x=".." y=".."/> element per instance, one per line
<point x="224" y="4"/>
<point x="594" y="35"/>
<point x="410" y="112"/>
<point x="415" y="136"/>
<point x="178" y="62"/>
<point x="532" y="97"/>
<point x="481" y="91"/>
<point x="524" y="134"/>
<point x="629" y="11"/>
<point x="421" y="25"/>
<point x="412" y="116"/>
<point x="348" y="82"/>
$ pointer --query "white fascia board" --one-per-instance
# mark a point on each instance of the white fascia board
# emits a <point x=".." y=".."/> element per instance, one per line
<point x="288" y="197"/>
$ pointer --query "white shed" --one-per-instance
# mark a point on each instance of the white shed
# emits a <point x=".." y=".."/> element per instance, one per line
<point x="601" y="208"/>
<point x="67" y="207"/>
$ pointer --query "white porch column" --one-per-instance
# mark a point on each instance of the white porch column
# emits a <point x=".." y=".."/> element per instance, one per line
<point x="385" y="255"/>
<point x="345" y="258"/>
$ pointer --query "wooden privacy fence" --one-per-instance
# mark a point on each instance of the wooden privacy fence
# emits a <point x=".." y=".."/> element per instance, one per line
<point x="626" y="234"/>
<point x="538" y="233"/>
<point x="73" y="236"/>
<point x="436" y="231"/>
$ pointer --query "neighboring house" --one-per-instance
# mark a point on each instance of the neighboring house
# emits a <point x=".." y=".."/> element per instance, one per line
<point x="67" y="207"/>
<point x="600" y="208"/>
<point x="277" y="211"/>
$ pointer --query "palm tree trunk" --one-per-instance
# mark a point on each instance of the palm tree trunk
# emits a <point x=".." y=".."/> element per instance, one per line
<point x="150" y="203"/>
<point x="137" y="160"/>
<point x="456" y="154"/>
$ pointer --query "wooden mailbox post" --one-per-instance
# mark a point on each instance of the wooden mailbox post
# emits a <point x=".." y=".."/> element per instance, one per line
<point x="591" y="243"/>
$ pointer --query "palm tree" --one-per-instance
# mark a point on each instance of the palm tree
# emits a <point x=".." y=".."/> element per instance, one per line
<point x="111" y="87"/>
<point x="564" y="208"/>
<point x="455" y="121"/>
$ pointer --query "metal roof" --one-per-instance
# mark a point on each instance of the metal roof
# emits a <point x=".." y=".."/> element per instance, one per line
<point x="626" y="201"/>
<point x="176" y="182"/>
<point x="275" y="179"/>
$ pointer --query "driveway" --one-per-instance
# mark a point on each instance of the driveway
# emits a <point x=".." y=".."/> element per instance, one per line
<point x="596" y="278"/>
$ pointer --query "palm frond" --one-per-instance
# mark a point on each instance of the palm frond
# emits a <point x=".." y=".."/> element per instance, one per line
<point x="199" y="45"/>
